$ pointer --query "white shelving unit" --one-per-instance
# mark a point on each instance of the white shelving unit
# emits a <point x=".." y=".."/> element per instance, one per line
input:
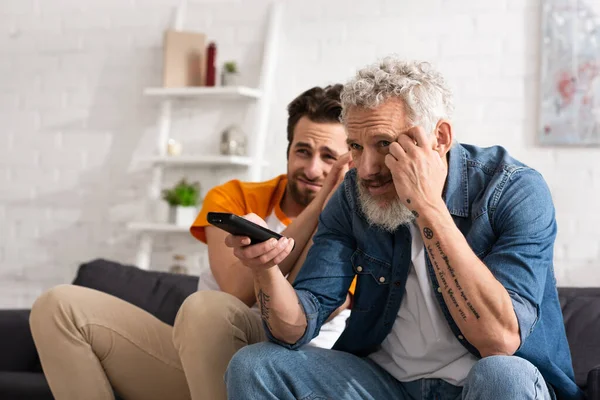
<point x="202" y="161"/>
<point x="254" y="163"/>
<point x="212" y="93"/>
<point x="156" y="227"/>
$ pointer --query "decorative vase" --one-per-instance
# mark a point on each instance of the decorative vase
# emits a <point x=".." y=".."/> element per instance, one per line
<point x="211" y="57"/>
<point x="182" y="216"/>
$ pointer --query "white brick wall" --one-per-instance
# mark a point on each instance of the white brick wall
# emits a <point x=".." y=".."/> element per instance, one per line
<point x="73" y="119"/>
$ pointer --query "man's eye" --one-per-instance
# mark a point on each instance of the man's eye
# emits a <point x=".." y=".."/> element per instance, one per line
<point x="303" y="152"/>
<point x="384" y="143"/>
<point x="355" y="146"/>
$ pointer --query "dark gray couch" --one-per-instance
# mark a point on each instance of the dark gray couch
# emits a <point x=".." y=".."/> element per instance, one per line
<point x="161" y="294"/>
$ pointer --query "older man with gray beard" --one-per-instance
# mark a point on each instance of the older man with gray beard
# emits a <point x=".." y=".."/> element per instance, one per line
<point x="452" y="245"/>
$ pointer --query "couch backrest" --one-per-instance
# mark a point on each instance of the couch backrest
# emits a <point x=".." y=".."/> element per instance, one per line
<point x="159" y="293"/>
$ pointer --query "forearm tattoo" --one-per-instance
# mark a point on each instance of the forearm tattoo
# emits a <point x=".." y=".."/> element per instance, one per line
<point x="444" y="279"/>
<point x="263" y="302"/>
<point x="428" y="233"/>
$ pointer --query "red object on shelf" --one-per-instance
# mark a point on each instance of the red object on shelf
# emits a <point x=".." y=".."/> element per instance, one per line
<point x="211" y="72"/>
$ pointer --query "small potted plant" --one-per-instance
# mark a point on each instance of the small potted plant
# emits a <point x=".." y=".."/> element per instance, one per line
<point x="230" y="74"/>
<point x="182" y="199"/>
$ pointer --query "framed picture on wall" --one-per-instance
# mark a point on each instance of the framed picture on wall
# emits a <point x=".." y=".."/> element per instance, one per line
<point x="570" y="73"/>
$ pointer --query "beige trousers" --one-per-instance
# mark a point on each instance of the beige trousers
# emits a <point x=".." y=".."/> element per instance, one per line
<point x="90" y="342"/>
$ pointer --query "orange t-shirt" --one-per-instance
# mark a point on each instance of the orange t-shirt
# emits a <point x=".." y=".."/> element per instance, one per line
<point x="241" y="198"/>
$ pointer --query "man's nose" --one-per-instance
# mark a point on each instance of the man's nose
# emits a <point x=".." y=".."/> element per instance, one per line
<point x="370" y="164"/>
<point x="314" y="169"/>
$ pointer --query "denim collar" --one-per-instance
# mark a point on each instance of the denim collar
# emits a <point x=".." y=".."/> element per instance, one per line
<point x="456" y="192"/>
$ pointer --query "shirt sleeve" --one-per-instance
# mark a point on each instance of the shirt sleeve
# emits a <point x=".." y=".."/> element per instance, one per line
<point x="225" y="198"/>
<point x="326" y="275"/>
<point x="522" y="257"/>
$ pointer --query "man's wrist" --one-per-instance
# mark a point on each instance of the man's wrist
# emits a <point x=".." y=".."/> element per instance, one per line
<point x="265" y="274"/>
<point x="315" y="206"/>
<point x="428" y="212"/>
<point x="319" y="201"/>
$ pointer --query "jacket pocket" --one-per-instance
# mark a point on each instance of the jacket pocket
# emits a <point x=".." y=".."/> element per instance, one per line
<point x="373" y="280"/>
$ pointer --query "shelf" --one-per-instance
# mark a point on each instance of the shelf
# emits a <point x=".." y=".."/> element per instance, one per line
<point x="157" y="227"/>
<point x="223" y="92"/>
<point x="202" y="160"/>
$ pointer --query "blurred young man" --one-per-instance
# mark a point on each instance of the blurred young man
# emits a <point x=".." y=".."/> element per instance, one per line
<point x="90" y="342"/>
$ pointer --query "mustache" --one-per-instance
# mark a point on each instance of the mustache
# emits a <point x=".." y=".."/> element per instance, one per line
<point x="312" y="181"/>
<point x="376" y="180"/>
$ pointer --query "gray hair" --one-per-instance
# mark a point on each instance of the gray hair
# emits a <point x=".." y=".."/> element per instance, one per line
<point x="423" y="90"/>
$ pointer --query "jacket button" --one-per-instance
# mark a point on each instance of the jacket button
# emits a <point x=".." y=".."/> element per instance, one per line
<point x="461" y="337"/>
<point x="397" y="283"/>
<point x="382" y="279"/>
<point x="359" y="269"/>
<point x="439" y="289"/>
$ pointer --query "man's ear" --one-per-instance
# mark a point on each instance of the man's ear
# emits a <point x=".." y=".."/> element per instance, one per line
<point x="444" y="137"/>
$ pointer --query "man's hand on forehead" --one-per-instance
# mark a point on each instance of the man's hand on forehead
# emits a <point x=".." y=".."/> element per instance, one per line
<point x="417" y="135"/>
<point x="417" y="169"/>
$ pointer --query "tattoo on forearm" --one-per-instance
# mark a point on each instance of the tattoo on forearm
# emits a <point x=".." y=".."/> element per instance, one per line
<point x="428" y="233"/>
<point x="441" y="274"/>
<point x="475" y="313"/>
<point x="263" y="301"/>
<point x="444" y="282"/>
<point x="453" y="299"/>
<point x="445" y="258"/>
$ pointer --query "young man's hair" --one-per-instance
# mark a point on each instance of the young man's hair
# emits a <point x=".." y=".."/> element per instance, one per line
<point x="317" y="104"/>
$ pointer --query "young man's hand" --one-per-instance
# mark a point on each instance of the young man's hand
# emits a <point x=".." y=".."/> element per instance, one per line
<point x="336" y="175"/>
<point x="260" y="256"/>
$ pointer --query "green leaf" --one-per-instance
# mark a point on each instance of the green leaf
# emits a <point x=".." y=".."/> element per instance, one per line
<point x="182" y="194"/>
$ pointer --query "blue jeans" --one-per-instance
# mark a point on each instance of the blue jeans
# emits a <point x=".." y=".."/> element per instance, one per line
<point x="269" y="371"/>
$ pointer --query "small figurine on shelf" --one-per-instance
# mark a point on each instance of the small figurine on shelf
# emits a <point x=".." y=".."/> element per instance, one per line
<point x="179" y="266"/>
<point x="211" y="70"/>
<point x="182" y="199"/>
<point x="230" y="75"/>
<point x="233" y="141"/>
<point x="173" y="148"/>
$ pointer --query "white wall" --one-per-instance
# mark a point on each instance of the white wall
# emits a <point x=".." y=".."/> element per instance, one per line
<point x="72" y="118"/>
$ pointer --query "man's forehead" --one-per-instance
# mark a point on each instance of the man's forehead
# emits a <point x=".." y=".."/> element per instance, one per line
<point x="388" y="129"/>
<point x="319" y="134"/>
<point x="385" y="115"/>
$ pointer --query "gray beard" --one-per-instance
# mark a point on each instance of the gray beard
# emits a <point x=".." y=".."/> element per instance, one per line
<point x="387" y="216"/>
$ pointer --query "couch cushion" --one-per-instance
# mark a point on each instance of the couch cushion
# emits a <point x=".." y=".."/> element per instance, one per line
<point x="24" y="386"/>
<point x="159" y="293"/>
<point x="581" y="312"/>
<point x="17" y="350"/>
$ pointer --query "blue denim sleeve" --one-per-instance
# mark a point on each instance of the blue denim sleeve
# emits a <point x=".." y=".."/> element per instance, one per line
<point x="325" y="277"/>
<point x="522" y="257"/>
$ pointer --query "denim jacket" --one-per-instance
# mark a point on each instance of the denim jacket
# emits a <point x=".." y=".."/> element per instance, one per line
<point x="505" y="211"/>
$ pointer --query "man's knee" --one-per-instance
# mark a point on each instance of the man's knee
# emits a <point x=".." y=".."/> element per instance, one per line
<point x="258" y="360"/>
<point x="206" y="311"/>
<point x="209" y="304"/>
<point x="503" y="376"/>
<point x="50" y="302"/>
<point x="496" y="366"/>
